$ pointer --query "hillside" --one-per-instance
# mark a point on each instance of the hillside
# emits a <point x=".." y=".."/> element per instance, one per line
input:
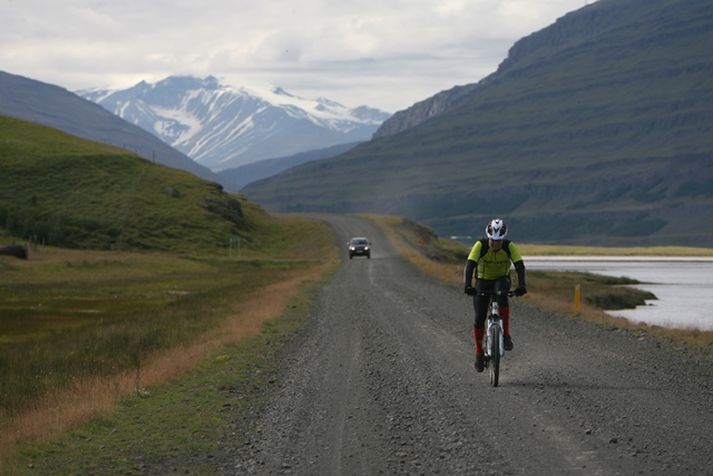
<point x="55" y="107"/>
<point x="595" y="129"/>
<point x="62" y="190"/>
<point x="222" y="126"/>
<point x="423" y="110"/>
<point x="235" y="179"/>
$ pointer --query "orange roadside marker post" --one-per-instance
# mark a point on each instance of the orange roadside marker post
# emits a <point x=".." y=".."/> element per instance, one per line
<point x="577" y="299"/>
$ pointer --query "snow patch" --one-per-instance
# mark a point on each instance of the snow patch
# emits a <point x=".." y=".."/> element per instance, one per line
<point x="222" y="126"/>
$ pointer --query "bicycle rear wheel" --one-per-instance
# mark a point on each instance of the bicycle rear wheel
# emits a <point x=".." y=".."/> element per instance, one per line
<point x="495" y="356"/>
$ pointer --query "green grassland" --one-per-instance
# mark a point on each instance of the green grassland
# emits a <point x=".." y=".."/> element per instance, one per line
<point x="62" y="190"/>
<point x="144" y="258"/>
<point x="68" y="314"/>
<point x="181" y="425"/>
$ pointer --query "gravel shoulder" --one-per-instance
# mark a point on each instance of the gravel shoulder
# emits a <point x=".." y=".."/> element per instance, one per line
<point x="381" y="380"/>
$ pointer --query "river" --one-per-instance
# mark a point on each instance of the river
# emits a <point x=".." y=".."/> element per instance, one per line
<point x="684" y="286"/>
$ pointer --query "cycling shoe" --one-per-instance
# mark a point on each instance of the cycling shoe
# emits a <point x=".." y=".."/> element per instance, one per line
<point x="479" y="362"/>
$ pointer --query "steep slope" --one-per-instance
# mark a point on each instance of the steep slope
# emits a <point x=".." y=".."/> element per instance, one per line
<point x="63" y="190"/>
<point x="235" y="179"/>
<point x="595" y="129"/>
<point x="223" y="127"/>
<point x="55" y="107"/>
<point x="423" y="110"/>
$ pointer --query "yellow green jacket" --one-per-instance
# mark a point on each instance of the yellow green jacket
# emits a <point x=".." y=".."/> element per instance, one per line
<point x="494" y="264"/>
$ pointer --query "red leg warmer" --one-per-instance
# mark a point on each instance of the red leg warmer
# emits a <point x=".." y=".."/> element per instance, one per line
<point x="505" y="314"/>
<point x="478" y="334"/>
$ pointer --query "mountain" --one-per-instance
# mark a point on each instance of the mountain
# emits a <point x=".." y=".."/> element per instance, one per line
<point x="235" y="179"/>
<point x="223" y="127"/>
<point x="62" y="190"/>
<point x="56" y="107"/>
<point x="424" y="110"/>
<point x="596" y="129"/>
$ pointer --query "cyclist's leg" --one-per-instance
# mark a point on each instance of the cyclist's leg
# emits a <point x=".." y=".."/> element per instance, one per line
<point x="502" y="286"/>
<point x="480" y="303"/>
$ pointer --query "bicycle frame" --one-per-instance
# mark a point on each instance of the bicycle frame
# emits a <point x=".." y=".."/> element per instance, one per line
<point x="494" y="340"/>
<point x="492" y="320"/>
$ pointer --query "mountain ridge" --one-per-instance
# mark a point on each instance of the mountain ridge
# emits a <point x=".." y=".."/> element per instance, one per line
<point x="421" y="111"/>
<point x="53" y="106"/>
<point x="595" y="130"/>
<point x="222" y="126"/>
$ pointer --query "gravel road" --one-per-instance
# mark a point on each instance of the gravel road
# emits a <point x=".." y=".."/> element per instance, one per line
<point x="382" y="382"/>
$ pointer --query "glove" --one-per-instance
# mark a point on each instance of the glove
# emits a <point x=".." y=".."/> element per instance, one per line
<point x="469" y="290"/>
<point x="520" y="290"/>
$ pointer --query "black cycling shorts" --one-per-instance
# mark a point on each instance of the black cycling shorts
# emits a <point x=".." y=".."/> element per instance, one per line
<point x="500" y="286"/>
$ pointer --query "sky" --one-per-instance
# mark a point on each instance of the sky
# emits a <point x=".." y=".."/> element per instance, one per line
<point x="387" y="54"/>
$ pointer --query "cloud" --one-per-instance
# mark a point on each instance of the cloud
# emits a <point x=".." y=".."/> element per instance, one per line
<point x="385" y="54"/>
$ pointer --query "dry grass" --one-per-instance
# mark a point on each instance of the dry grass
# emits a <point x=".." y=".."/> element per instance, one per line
<point x="691" y="337"/>
<point x="59" y="411"/>
<point x="545" y="297"/>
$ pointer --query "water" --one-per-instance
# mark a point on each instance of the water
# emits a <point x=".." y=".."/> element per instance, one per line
<point x="684" y="286"/>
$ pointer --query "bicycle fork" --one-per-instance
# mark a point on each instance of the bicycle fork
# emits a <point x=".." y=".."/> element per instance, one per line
<point x="494" y="321"/>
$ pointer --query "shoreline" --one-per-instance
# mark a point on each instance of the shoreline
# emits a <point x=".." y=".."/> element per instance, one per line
<point x="619" y="259"/>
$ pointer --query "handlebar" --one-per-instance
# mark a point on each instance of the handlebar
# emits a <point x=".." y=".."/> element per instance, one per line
<point x="493" y="294"/>
<point x="474" y="292"/>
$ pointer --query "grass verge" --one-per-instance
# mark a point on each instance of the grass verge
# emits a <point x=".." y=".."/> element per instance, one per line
<point x="193" y="423"/>
<point x="554" y="291"/>
<point x="84" y="329"/>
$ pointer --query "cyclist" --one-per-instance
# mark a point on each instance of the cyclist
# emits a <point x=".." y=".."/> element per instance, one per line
<point x="489" y="260"/>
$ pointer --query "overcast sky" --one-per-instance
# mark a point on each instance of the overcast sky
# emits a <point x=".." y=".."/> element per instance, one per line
<point x="383" y="53"/>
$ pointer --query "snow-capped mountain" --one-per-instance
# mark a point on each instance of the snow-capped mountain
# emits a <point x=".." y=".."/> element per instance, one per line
<point x="221" y="126"/>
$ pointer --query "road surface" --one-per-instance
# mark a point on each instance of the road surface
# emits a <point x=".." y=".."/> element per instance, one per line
<point x="382" y="382"/>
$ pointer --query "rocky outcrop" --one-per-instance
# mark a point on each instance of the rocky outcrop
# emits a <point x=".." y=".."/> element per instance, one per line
<point x="423" y="110"/>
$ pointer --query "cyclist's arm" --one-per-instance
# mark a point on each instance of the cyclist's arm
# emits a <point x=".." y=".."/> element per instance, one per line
<point x="519" y="265"/>
<point x="471" y="268"/>
<point x="520" y="269"/>
<point x="471" y="265"/>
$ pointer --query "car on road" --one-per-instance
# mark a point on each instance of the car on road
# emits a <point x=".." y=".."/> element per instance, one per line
<point x="359" y="246"/>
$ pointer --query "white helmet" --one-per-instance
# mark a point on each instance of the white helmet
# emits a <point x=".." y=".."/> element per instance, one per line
<point x="496" y="229"/>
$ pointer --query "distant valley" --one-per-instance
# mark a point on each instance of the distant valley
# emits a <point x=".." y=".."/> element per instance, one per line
<point x="236" y="178"/>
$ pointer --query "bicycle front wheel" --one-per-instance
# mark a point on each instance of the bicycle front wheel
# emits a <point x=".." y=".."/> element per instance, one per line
<point x="495" y="356"/>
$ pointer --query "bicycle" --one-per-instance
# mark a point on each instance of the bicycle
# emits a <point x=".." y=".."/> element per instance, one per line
<point x="493" y="344"/>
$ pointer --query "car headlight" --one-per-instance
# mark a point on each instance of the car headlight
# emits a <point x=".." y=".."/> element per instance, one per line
<point x="351" y="248"/>
<point x="366" y="248"/>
